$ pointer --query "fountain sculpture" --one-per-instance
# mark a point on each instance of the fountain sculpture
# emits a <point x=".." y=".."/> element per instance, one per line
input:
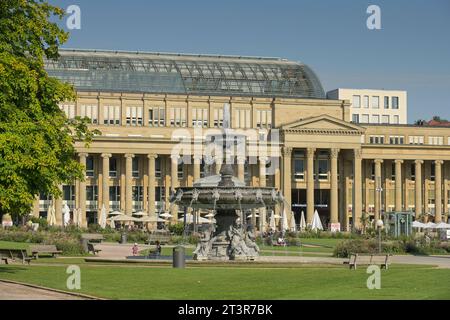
<point x="229" y="199"/>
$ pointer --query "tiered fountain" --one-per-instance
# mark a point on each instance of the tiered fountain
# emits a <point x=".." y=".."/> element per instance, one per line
<point x="229" y="199"/>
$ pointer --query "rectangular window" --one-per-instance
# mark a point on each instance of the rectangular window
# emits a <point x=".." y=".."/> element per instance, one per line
<point x="89" y="166"/>
<point x="89" y="111"/>
<point x="376" y="139"/>
<point x="366" y="102"/>
<point x="218" y="118"/>
<point x="396" y="120"/>
<point x="375" y="102"/>
<point x="299" y="169"/>
<point x="112" y="167"/>
<point x="111" y="115"/>
<point x="365" y="118"/>
<point x="413" y="171"/>
<point x="386" y="102"/>
<point x="199" y="117"/>
<point x="114" y="193"/>
<point x="393" y="171"/>
<point x="264" y="119"/>
<point x="134" y="116"/>
<point x="396" y="139"/>
<point x="356" y="101"/>
<point x="91" y="193"/>
<point x="177" y="116"/>
<point x="432" y="171"/>
<point x="158" y="167"/>
<point x="434" y="140"/>
<point x="156" y="116"/>
<point x="415" y="139"/>
<point x="68" y="193"/>
<point x="69" y="110"/>
<point x="242" y="118"/>
<point x="375" y="118"/>
<point x="135" y="167"/>
<point x="180" y="170"/>
<point x="137" y="193"/>
<point x="394" y="102"/>
<point x="372" y="171"/>
<point x="385" y="119"/>
<point x="355" y="118"/>
<point x="323" y="169"/>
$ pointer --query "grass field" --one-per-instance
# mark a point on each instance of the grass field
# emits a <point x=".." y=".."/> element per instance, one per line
<point x="128" y="282"/>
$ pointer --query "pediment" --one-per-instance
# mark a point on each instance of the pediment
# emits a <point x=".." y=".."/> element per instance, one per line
<point x="323" y="123"/>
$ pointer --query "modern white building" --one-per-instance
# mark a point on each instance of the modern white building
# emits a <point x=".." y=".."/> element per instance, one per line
<point x="374" y="106"/>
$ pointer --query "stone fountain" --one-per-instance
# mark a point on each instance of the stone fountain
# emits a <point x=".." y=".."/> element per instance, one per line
<point x="229" y="199"/>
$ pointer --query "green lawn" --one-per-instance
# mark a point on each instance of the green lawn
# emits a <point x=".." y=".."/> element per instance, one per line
<point x="307" y="282"/>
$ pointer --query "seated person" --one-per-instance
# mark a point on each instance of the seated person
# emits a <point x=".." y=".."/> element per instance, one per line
<point x="157" y="251"/>
<point x="281" y="242"/>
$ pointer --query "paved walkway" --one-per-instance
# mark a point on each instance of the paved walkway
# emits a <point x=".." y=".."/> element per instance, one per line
<point x="121" y="251"/>
<point x="12" y="291"/>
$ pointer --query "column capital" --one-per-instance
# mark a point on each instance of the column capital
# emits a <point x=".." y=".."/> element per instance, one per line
<point x="418" y="162"/>
<point x="357" y="153"/>
<point x="310" y="152"/>
<point x="378" y="161"/>
<point x="240" y="159"/>
<point x="174" y="158"/>
<point x="83" y="154"/>
<point x="152" y="156"/>
<point x="334" y="152"/>
<point x="129" y="155"/>
<point x="398" y="161"/>
<point x="438" y="162"/>
<point x="106" y="155"/>
<point x="287" y="151"/>
<point x="263" y="159"/>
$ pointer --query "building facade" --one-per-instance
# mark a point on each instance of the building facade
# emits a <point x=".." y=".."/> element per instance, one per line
<point x="143" y="102"/>
<point x="369" y="106"/>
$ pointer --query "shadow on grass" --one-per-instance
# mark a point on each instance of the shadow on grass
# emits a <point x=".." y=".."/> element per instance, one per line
<point x="10" y="269"/>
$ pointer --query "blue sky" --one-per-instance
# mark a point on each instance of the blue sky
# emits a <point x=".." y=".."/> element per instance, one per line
<point x="411" y="52"/>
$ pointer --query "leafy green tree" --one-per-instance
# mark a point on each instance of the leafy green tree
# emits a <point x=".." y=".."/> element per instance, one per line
<point x="36" y="139"/>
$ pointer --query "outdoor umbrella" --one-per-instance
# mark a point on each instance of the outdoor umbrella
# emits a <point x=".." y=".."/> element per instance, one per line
<point x="316" y="223"/>
<point x="293" y="225"/>
<point x="102" y="220"/>
<point x="112" y="224"/>
<point x="429" y="225"/>
<point x="190" y="219"/>
<point x="66" y="214"/>
<point x="75" y="216"/>
<point x="284" y="225"/>
<point x="210" y="215"/>
<point x="115" y="213"/>
<point x="302" y="222"/>
<point x="272" y="221"/>
<point x="139" y="214"/>
<point x="418" y="224"/>
<point x="150" y="219"/>
<point x="442" y="225"/>
<point x="251" y="215"/>
<point x="166" y="215"/>
<point x="123" y="218"/>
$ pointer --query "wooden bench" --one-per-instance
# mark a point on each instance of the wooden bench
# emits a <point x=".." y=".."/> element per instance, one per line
<point x="14" y="254"/>
<point x="382" y="260"/>
<point x="93" y="237"/>
<point x="44" y="249"/>
<point x="92" y="249"/>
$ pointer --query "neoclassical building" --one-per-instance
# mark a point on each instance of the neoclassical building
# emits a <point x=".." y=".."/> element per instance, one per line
<point x="141" y="101"/>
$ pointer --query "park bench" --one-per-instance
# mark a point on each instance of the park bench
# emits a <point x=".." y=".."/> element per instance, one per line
<point x="14" y="254"/>
<point x="162" y="237"/>
<point x="93" y="237"/>
<point x="382" y="260"/>
<point x="92" y="249"/>
<point x="44" y="249"/>
<point x="154" y="254"/>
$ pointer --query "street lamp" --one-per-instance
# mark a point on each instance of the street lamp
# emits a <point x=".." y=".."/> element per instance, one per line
<point x="379" y="226"/>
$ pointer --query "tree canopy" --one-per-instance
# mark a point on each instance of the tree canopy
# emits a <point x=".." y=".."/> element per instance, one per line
<point x="37" y="150"/>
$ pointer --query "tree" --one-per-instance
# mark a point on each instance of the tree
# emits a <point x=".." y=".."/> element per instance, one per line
<point x="36" y="139"/>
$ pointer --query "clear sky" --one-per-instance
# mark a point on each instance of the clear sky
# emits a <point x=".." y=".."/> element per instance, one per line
<point x="411" y="52"/>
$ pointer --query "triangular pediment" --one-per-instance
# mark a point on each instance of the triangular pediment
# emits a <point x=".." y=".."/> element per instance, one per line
<point x="321" y="123"/>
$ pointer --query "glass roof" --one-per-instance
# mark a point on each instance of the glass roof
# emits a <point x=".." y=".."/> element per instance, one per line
<point x="116" y="71"/>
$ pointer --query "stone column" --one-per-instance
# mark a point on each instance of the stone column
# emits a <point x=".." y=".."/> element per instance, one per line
<point x="197" y="162"/>
<point x="334" y="210"/>
<point x="174" y="183"/>
<point x="287" y="177"/>
<point x="310" y="185"/>
<point x="241" y="168"/>
<point x="357" y="189"/>
<point x="36" y="206"/>
<point x="105" y="183"/>
<point x="378" y="186"/>
<point x="82" y="191"/>
<point x="129" y="184"/>
<point x="151" y="185"/>
<point x="418" y="187"/>
<point x="438" y="191"/>
<point x="398" y="185"/>
<point x="262" y="184"/>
